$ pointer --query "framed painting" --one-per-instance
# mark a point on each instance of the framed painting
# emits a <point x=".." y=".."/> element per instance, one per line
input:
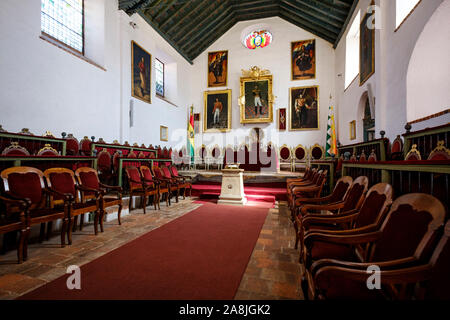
<point x="217" y="69"/>
<point x="282" y="119"/>
<point x="256" y="98"/>
<point x="217" y="111"/>
<point x="141" y="62"/>
<point x="163" y="133"/>
<point x="303" y="60"/>
<point x="304" y="108"/>
<point x="353" y="130"/>
<point x="366" y="50"/>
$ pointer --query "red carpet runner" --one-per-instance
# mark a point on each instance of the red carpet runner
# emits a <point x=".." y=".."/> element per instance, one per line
<point x="201" y="255"/>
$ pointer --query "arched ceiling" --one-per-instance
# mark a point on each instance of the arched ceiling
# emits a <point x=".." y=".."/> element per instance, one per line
<point x="191" y="26"/>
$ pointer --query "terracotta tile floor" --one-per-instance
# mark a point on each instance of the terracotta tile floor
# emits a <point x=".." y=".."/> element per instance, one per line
<point x="272" y="272"/>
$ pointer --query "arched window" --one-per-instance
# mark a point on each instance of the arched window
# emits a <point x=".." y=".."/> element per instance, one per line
<point x="403" y="9"/>
<point x="368" y="123"/>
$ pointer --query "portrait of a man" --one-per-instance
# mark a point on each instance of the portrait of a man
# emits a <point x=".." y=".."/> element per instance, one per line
<point x="366" y="51"/>
<point x="217" y="69"/>
<point x="140" y="73"/>
<point x="217" y="111"/>
<point x="303" y="63"/>
<point x="304" y="108"/>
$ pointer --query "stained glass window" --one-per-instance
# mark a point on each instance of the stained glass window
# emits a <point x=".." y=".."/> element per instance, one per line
<point x="63" y="20"/>
<point x="159" y="75"/>
<point x="258" y="39"/>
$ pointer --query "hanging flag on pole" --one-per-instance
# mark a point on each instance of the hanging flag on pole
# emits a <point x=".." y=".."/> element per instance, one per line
<point x="331" y="145"/>
<point x="191" y="134"/>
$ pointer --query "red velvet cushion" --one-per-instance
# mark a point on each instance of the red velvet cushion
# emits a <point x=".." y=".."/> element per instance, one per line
<point x="62" y="182"/>
<point x="72" y="146"/>
<point x="158" y="173"/>
<point x="104" y="161"/>
<point x="26" y="185"/>
<point x="134" y="175"/>
<point x="316" y="153"/>
<point x="151" y="155"/>
<point x="284" y="153"/>
<point x="86" y="146"/>
<point x="299" y="153"/>
<point x="339" y="191"/>
<point x="174" y="171"/>
<point x="396" y="146"/>
<point x="180" y="153"/>
<point x="48" y="153"/>
<point x="402" y="234"/>
<point x="16" y="152"/>
<point x="147" y="174"/>
<point x="353" y="197"/>
<point x="166" y="172"/>
<point x="370" y="210"/>
<point x="439" y="156"/>
<point x="89" y="179"/>
<point x="327" y="250"/>
<point x="412" y="156"/>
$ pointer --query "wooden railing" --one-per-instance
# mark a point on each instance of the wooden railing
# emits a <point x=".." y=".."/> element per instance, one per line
<point x="379" y="147"/>
<point x="426" y="140"/>
<point x="31" y="142"/>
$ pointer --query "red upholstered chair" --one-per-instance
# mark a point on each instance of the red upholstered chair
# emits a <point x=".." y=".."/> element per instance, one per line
<point x="306" y="176"/>
<point x="308" y="189"/>
<point x="350" y="203"/>
<point x="165" y="153"/>
<point x="159" y="152"/>
<point x="141" y="155"/>
<point x="285" y="154"/>
<point x="175" y="184"/>
<point x="88" y="178"/>
<point x="131" y="154"/>
<point x="47" y="150"/>
<point x="164" y="182"/>
<point x="104" y="166"/>
<point x="183" y="181"/>
<point x="299" y="157"/>
<point x="143" y="189"/>
<point x="151" y="155"/>
<point x="85" y="146"/>
<point x="372" y="157"/>
<point x="15" y="150"/>
<point x="368" y="218"/>
<point x="408" y="232"/>
<point x="149" y="180"/>
<point x="27" y="184"/>
<point x="397" y="149"/>
<point x="362" y="157"/>
<point x="72" y="145"/>
<point x="440" y="152"/>
<point x="62" y="180"/>
<point x="13" y="217"/>
<point x="353" y="158"/>
<point x="115" y="161"/>
<point x="413" y="154"/>
<point x="317" y="152"/>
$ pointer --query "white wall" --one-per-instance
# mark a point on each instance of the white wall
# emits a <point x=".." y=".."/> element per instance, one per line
<point x="43" y="87"/>
<point x="393" y="50"/>
<point x="276" y="58"/>
<point x="428" y="88"/>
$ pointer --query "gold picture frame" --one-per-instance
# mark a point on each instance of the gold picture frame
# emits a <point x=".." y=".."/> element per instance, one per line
<point x="352" y="125"/>
<point x="217" y="69"/>
<point x="303" y="55"/>
<point x="256" y="98"/>
<point x="217" y="104"/>
<point x="304" y="108"/>
<point x="163" y="133"/>
<point x="141" y="82"/>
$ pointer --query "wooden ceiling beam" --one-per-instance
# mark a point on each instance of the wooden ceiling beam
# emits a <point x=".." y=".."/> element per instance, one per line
<point x="162" y="11"/>
<point x="323" y="11"/>
<point x="204" y="25"/>
<point x="347" y="21"/>
<point x="197" y="21"/>
<point x="175" y="14"/>
<point x="301" y="24"/>
<point x="299" y="12"/>
<point x="176" y="24"/>
<point x="210" y="27"/>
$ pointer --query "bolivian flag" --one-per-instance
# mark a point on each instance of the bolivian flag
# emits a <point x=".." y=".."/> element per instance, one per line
<point x="331" y="147"/>
<point x="191" y="134"/>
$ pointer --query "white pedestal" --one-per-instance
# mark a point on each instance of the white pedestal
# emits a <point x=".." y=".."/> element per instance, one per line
<point x="232" y="187"/>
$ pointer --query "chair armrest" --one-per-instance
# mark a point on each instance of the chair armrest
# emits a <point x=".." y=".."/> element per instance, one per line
<point x="83" y="188"/>
<point x="22" y="204"/>
<point x="299" y="190"/>
<point x="12" y="197"/>
<point x="116" y="188"/>
<point x="387" y="265"/>
<point x="67" y="197"/>
<point x="366" y="229"/>
<point x="299" y="201"/>
<point x="317" y="207"/>
<point x="353" y="239"/>
<point x="324" y="219"/>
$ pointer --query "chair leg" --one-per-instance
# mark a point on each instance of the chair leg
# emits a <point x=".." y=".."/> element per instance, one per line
<point x="49" y="229"/>
<point x="25" y="243"/>
<point x="69" y="229"/>
<point x="144" y="202"/>
<point x="118" y="215"/>
<point x="81" y="221"/>
<point x="42" y="233"/>
<point x="75" y="223"/>
<point x="20" y="253"/>
<point x="96" y="217"/>
<point x="155" y="196"/>
<point x="168" y="198"/>
<point x="63" y="233"/>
